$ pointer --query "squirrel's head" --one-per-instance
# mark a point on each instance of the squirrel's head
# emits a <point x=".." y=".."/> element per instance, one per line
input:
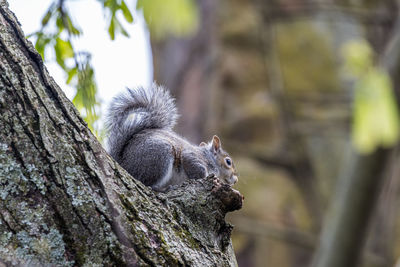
<point x="226" y="167"/>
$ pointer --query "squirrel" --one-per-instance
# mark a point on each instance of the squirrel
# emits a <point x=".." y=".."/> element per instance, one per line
<point x="142" y="141"/>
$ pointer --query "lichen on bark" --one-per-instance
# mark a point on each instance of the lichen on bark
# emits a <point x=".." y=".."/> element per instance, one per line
<point x="64" y="201"/>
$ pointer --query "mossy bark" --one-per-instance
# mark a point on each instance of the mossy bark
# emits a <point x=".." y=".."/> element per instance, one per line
<point x="64" y="201"/>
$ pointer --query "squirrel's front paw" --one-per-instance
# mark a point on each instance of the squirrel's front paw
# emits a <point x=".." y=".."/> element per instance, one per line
<point x="216" y="182"/>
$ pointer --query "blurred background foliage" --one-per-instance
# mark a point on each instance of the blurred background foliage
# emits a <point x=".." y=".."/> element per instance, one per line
<point x="305" y="97"/>
<point x="173" y="17"/>
<point x="375" y="117"/>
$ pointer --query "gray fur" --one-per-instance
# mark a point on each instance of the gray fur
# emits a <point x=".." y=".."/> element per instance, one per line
<point x="136" y="110"/>
<point x="152" y="151"/>
<point x="141" y="140"/>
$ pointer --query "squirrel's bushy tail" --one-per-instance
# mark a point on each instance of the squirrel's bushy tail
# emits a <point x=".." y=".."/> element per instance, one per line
<point x="135" y="110"/>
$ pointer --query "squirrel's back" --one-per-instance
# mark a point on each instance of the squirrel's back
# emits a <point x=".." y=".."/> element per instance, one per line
<point x="137" y="110"/>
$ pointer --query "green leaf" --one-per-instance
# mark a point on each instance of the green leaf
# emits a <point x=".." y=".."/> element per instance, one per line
<point x="120" y="28"/>
<point x="112" y="6"/>
<point x="59" y="24"/>
<point x="111" y="28"/>
<point x="178" y="17"/>
<point x="63" y="50"/>
<point x="71" y="74"/>
<point x="86" y="96"/>
<point x="71" y="27"/>
<point x="358" y="57"/>
<point x="41" y="43"/>
<point x="376" y="120"/>
<point x="48" y="15"/>
<point x="123" y="31"/>
<point x="375" y="111"/>
<point x="127" y="13"/>
<point x="86" y="88"/>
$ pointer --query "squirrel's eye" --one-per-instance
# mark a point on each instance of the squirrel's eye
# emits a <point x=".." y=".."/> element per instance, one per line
<point x="228" y="161"/>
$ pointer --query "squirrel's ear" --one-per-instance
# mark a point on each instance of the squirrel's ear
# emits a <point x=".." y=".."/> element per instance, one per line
<point x="203" y="144"/>
<point x="216" y="143"/>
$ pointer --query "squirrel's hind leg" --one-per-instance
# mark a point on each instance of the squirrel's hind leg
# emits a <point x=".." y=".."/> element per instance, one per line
<point x="149" y="161"/>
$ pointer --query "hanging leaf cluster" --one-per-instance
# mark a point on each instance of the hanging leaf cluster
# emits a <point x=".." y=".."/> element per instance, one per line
<point x="58" y="32"/>
<point x="114" y="25"/>
<point x="375" y="111"/>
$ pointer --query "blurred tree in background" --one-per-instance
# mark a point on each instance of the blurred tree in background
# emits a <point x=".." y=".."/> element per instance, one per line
<point x="304" y="94"/>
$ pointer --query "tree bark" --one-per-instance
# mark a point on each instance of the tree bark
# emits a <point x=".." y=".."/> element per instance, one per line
<point x="64" y="201"/>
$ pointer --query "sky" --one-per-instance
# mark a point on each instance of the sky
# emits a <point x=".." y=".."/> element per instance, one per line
<point x="124" y="62"/>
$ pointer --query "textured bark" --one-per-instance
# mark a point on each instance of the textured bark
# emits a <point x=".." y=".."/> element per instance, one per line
<point x="64" y="201"/>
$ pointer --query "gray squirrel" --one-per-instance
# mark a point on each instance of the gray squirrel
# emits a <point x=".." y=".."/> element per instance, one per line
<point x="142" y="141"/>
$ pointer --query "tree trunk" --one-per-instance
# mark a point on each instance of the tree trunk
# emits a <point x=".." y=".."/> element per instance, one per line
<point x="64" y="201"/>
<point x="346" y="227"/>
<point x="193" y="77"/>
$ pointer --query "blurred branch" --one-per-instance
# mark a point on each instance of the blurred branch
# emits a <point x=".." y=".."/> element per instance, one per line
<point x="390" y="59"/>
<point x="381" y="240"/>
<point x="304" y="9"/>
<point x="266" y="230"/>
<point x="299" y="163"/>
<point x="291" y="236"/>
